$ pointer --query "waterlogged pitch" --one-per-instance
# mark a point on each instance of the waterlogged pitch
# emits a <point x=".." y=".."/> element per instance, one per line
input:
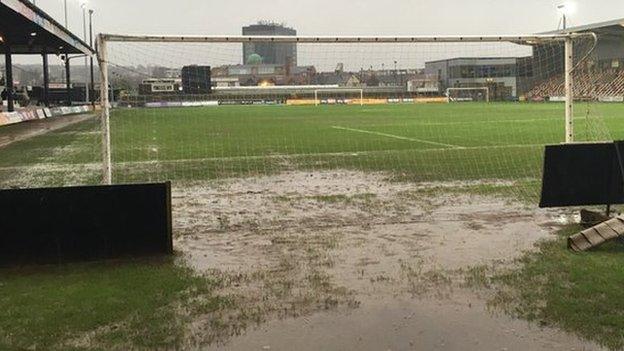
<point x="428" y="142"/>
<point x="294" y="211"/>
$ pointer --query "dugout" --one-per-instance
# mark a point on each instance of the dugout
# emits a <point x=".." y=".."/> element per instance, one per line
<point x="25" y="29"/>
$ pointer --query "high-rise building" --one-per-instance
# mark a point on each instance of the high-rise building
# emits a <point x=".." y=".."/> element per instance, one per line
<point x="269" y="53"/>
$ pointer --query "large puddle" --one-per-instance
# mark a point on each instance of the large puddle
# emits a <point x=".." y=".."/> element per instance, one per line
<point x="348" y="260"/>
<point x="401" y="324"/>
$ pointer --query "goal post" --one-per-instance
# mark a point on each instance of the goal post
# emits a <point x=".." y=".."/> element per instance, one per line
<point x="569" y="90"/>
<point x="360" y="92"/>
<point x="102" y="55"/>
<point x="521" y="67"/>
<point x="484" y="90"/>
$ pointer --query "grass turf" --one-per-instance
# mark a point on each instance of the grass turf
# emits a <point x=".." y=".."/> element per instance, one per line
<point x="437" y="142"/>
<point x="119" y="305"/>
<point x="469" y="141"/>
<point x="580" y="293"/>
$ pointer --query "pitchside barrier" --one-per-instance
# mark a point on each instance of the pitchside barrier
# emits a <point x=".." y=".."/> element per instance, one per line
<point x="583" y="174"/>
<point x="7" y="118"/>
<point x="611" y="98"/>
<point x="298" y="102"/>
<point x="58" y="225"/>
<point x="365" y="101"/>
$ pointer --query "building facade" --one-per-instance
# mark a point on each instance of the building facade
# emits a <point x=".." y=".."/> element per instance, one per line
<point x="505" y="77"/>
<point x="269" y="53"/>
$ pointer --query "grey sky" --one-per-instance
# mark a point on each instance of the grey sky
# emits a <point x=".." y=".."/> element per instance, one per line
<point x="329" y="17"/>
<point x="340" y="17"/>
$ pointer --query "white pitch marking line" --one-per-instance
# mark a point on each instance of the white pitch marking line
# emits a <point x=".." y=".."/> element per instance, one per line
<point x="399" y="137"/>
<point x="96" y="166"/>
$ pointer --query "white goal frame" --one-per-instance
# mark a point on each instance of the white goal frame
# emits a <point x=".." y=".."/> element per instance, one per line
<point x="486" y="89"/>
<point x="104" y="39"/>
<point x="338" y="90"/>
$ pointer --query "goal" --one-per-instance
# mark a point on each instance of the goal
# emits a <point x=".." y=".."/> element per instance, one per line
<point x="233" y="113"/>
<point x="338" y="96"/>
<point x="468" y="94"/>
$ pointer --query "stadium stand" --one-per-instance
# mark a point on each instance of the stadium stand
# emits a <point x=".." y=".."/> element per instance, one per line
<point x="587" y="84"/>
<point x="601" y="76"/>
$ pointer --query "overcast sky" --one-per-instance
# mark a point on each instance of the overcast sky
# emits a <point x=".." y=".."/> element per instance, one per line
<point x="329" y="17"/>
<point x="339" y="17"/>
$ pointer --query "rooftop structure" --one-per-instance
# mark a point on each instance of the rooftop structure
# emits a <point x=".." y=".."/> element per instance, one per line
<point x="269" y="53"/>
<point x="25" y="29"/>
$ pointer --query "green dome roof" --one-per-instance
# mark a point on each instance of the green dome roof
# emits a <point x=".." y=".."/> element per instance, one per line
<point x="254" y="59"/>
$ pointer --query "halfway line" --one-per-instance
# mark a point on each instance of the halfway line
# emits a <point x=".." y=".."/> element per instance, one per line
<point x="399" y="137"/>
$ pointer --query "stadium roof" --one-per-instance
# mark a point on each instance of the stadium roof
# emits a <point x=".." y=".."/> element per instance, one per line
<point x="608" y="28"/>
<point x="29" y="30"/>
<point x="478" y="58"/>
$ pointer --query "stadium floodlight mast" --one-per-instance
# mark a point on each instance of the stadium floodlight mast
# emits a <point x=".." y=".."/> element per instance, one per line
<point x="103" y="59"/>
<point x="65" y="11"/>
<point x="566" y="9"/>
<point x="91" y="84"/>
<point x="83" y="6"/>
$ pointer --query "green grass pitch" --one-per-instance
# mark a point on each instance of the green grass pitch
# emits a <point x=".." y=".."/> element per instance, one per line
<point x="58" y="307"/>
<point x="428" y="142"/>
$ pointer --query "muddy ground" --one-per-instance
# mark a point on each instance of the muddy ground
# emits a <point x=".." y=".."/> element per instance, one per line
<point x="342" y="260"/>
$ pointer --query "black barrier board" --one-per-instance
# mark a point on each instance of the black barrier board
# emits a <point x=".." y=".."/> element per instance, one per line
<point x="582" y="175"/>
<point x="56" y="225"/>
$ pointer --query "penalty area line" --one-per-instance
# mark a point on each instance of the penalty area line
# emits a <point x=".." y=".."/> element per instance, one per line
<point x="399" y="137"/>
<point x="59" y="167"/>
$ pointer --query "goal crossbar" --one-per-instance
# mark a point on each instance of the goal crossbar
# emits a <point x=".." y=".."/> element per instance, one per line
<point x="529" y="39"/>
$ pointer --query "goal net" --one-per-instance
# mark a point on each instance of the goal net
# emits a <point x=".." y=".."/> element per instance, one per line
<point x="333" y="96"/>
<point x="198" y="110"/>
<point x="471" y="94"/>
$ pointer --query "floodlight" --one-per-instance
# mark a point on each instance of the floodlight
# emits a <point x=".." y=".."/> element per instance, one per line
<point x="567" y="8"/>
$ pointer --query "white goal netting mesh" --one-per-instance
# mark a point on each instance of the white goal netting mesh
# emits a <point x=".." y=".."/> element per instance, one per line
<point x="204" y="112"/>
